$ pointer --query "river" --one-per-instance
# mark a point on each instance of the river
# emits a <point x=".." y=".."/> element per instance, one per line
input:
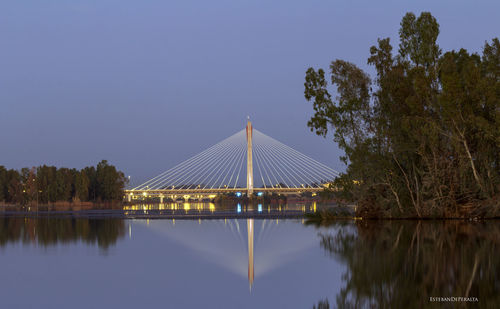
<point x="72" y="260"/>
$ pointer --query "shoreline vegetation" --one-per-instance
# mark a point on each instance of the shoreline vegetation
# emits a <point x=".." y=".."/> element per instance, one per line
<point x="422" y="138"/>
<point x="327" y="217"/>
<point x="55" y="188"/>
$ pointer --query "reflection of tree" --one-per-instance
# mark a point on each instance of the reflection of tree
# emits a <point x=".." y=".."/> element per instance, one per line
<point x="51" y="231"/>
<point x="402" y="264"/>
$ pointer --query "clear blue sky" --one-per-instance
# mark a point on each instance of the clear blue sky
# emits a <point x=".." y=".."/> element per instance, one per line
<point x="146" y="84"/>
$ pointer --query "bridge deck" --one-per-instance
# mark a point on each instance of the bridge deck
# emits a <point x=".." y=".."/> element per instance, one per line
<point x="167" y="192"/>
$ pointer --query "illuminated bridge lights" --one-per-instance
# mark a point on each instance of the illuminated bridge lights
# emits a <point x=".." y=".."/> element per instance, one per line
<point x="271" y="167"/>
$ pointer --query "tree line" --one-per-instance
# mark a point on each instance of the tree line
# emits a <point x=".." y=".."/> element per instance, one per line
<point x="49" y="184"/>
<point x="423" y="137"/>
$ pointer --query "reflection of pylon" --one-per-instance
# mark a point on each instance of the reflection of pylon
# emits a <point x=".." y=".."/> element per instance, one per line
<point x="250" y="251"/>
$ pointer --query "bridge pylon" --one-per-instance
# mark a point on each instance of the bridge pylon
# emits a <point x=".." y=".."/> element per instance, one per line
<point x="249" y="159"/>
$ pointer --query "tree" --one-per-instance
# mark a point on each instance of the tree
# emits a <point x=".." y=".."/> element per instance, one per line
<point x="110" y="182"/>
<point x="3" y="183"/>
<point x="425" y="140"/>
<point x="48" y="184"/>
<point x="14" y="187"/>
<point x="64" y="181"/>
<point x="29" y="184"/>
<point x="81" y="182"/>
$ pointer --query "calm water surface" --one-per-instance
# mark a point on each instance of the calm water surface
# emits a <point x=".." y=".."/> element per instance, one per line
<point x="79" y="262"/>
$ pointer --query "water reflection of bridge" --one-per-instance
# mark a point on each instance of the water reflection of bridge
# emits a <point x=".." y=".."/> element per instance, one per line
<point x="198" y="210"/>
<point x="247" y="247"/>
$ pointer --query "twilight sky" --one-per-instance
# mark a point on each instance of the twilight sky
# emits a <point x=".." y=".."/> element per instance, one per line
<point x="147" y="84"/>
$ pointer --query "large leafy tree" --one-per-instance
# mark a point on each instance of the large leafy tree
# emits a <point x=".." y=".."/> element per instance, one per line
<point x="422" y="139"/>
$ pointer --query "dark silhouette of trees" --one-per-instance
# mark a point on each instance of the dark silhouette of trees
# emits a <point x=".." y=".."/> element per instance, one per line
<point x="110" y="182"/>
<point x="423" y="137"/>
<point x="49" y="184"/>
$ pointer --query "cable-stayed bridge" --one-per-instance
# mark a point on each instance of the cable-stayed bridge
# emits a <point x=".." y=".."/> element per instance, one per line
<point x="248" y="162"/>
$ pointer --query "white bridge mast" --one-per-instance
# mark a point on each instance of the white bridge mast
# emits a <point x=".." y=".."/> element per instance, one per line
<point x="249" y="159"/>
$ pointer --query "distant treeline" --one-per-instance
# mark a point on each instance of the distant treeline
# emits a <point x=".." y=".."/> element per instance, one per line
<point x="49" y="184"/>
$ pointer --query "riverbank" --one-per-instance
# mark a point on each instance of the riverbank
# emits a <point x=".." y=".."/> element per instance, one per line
<point x="328" y="215"/>
<point x="61" y="206"/>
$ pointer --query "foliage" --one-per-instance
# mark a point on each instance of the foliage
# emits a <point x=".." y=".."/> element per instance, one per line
<point x="49" y="184"/>
<point x="330" y="215"/>
<point x="423" y="138"/>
